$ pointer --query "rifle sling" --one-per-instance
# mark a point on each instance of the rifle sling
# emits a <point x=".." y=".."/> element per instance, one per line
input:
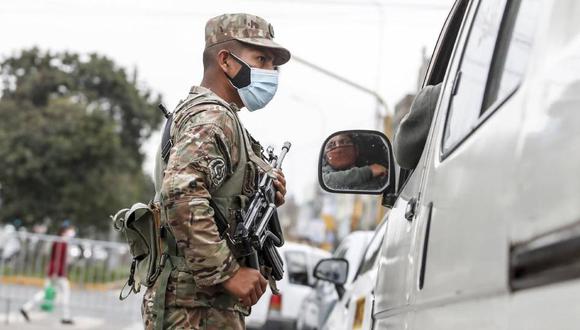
<point x="166" y="140"/>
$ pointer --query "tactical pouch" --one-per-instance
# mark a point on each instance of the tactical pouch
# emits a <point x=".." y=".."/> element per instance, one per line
<point x="141" y="227"/>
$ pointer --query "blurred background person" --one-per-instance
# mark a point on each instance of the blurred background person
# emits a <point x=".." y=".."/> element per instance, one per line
<point x="56" y="276"/>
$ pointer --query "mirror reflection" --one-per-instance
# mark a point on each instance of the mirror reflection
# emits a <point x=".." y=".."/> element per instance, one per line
<point x="355" y="161"/>
<point x="332" y="270"/>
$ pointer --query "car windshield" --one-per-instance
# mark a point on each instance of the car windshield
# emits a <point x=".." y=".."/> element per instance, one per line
<point x="297" y="267"/>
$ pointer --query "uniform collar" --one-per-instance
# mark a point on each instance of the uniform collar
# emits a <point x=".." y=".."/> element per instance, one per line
<point x="202" y="90"/>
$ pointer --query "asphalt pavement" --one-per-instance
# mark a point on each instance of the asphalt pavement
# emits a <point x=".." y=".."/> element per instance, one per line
<point x="93" y="310"/>
<point x="49" y="321"/>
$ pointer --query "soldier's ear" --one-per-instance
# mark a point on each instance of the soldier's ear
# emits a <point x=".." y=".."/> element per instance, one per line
<point x="223" y="59"/>
<point x="228" y="63"/>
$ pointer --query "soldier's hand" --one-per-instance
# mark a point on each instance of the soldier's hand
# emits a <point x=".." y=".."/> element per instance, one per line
<point x="247" y="284"/>
<point x="378" y="170"/>
<point x="280" y="185"/>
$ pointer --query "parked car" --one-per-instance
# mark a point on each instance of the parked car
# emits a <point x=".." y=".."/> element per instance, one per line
<point x="484" y="232"/>
<point x="353" y="310"/>
<point x="281" y="311"/>
<point x="317" y="305"/>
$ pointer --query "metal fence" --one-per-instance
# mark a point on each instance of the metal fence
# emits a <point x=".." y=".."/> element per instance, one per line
<point x="96" y="272"/>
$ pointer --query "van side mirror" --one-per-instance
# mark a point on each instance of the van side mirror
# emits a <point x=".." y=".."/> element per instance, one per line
<point x="357" y="161"/>
<point x="333" y="270"/>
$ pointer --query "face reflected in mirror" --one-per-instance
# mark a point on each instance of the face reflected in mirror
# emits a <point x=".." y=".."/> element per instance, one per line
<point x="355" y="161"/>
<point x="341" y="153"/>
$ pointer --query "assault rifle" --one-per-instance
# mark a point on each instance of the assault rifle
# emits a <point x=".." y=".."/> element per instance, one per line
<point x="258" y="232"/>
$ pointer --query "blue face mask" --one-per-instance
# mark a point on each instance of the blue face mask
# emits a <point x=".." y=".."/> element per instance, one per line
<point x="256" y="87"/>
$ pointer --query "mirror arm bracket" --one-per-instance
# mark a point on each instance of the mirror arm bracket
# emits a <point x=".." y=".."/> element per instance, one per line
<point x="339" y="290"/>
<point x="389" y="199"/>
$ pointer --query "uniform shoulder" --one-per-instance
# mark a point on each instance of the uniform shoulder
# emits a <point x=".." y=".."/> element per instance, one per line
<point x="206" y="114"/>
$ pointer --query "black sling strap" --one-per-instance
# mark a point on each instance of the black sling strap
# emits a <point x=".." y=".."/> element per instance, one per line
<point x="166" y="140"/>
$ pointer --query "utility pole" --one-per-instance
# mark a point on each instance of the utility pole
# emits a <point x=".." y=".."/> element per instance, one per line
<point x="347" y="81"/>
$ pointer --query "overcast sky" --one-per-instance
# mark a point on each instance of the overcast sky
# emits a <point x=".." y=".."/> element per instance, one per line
<point x="376" y="44"/>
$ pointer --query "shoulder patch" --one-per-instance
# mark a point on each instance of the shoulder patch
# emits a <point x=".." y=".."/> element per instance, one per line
<point x="217" y="172"/>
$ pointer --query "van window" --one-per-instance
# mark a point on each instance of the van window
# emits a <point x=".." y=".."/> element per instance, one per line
<point x="297" y="267"/>
<point x="513" y="50"/>
<point x="445" y="44"/>
<point x="471" y="79"/>
<point x="493" y="63"/>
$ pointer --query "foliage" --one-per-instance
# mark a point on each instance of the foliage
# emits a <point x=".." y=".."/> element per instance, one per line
<point x="70" y="131"/>
<point x="93" y="81"/>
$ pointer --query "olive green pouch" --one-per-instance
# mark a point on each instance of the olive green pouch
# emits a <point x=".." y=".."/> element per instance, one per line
<point x="141" y="227"/>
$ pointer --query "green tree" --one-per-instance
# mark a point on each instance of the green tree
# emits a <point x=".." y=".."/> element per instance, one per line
<point x="70" y="131"/>
<point x="93" y="81"/>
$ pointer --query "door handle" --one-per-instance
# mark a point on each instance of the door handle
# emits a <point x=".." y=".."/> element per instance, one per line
<point x="549" y="258"/>
<point x="410" y="210"/>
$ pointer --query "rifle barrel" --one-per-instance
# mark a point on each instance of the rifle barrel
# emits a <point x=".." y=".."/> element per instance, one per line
<point x="283" y="153"/>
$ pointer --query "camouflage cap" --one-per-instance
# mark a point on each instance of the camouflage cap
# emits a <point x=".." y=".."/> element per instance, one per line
<point x="246" y="28"/>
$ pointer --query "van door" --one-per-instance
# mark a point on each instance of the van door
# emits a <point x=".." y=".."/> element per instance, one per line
<point x="396" y="262"/>
<point x="462" y="250"/>
<point x="545" y="233"/>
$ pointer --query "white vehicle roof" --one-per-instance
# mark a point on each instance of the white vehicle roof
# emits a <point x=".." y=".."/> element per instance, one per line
<point x="302" y="247"/>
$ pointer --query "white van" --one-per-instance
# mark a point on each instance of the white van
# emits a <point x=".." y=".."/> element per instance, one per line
<point x="316" y="307"/>
<point x="353" y="310"/>
<point x="281" y="311"/>
<point x="485" y="232"/>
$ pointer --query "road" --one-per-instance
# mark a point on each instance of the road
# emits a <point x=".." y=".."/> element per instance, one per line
<point x="93" y="310"/>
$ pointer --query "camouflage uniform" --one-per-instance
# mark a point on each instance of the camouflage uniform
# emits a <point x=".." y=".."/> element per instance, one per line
<point x="212" y="158"/>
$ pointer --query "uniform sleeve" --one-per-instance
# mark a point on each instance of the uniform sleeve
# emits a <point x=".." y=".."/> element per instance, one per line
<point x="203" y="156"/>
<point x="414" y="128"/>
<point x="350" y="178"/>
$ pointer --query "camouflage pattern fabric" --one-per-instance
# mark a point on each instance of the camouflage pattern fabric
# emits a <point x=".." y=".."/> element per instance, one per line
<point x="205" y="153"/>
<point x="246" y="28"/>
<point x="181" y="315"/>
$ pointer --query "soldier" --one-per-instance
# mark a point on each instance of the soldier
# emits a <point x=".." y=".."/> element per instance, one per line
<point x="214" y="159"/>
